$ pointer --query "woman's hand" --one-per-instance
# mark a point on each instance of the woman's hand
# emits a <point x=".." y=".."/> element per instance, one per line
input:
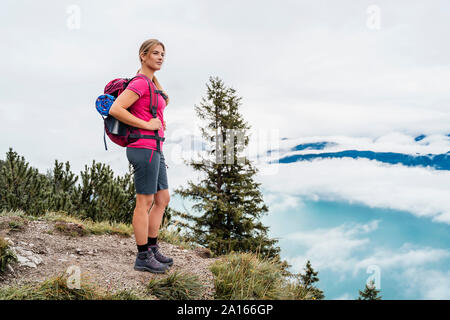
<point x="154" y="124"/>
<point x="164" y="125"/>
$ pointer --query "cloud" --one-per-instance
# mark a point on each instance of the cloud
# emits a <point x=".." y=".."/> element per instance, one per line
<point x="282" y="202"/>
<point x="333" y="248"/>
<point x="403" y="258"/>
<point x="430" y="284"/>
<point x="347" y="249"/>
<point x="345" y="296"/>
<point x="419" y="191"/>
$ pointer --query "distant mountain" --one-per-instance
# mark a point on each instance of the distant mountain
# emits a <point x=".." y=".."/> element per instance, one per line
<point x="436" y="161"/>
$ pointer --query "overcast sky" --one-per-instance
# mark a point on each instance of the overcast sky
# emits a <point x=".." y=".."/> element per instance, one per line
<point x="303" y="68"/>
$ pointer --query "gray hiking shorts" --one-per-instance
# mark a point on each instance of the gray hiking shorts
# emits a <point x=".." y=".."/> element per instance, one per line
<point x="150" y="173"/>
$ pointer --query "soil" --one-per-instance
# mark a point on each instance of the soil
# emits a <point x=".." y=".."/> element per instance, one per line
<point x="106" y="260"/>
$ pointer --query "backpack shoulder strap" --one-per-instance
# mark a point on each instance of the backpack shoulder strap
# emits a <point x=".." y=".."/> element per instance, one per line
<point x="153" y="108"/>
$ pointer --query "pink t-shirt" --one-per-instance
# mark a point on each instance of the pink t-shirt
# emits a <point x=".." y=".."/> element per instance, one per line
<point x="141" y="109"/>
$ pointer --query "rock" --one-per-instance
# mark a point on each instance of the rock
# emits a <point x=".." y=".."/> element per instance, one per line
<point x="26" y="257"/>
<point x="25" y="262"/>
<point x="21" y="259"/>
<point x="27" y="253"/>
<point x="10" y="268"/>
<point x="36" y="260"/>
<point x="29" y="264"/>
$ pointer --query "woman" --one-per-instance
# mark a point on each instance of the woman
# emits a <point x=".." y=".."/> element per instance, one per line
<point x="150" y="175"/>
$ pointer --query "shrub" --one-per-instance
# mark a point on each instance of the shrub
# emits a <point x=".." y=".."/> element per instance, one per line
<point x="245" y="276"/>
<point x="176" y="286"/>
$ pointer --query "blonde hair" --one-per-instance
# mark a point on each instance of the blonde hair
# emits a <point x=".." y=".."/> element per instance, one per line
<point x="146" y="46"/>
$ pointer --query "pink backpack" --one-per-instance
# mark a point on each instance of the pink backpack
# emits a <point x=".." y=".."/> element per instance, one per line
<point x="117" y="131"/>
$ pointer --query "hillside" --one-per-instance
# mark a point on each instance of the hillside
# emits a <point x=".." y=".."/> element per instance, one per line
<point x="48" y="248"/>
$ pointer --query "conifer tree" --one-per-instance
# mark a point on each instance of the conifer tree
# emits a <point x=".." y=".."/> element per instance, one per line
<point x="62" y="184"/>
<point x="22" y="187"/>
<point x="227" y="198"/>
<point x="101" y="196"/>
<point x="370" y="292"/>
<point x="309" y="278"/>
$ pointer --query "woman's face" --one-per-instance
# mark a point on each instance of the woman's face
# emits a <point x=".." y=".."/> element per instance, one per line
<point x="154" y="58"/>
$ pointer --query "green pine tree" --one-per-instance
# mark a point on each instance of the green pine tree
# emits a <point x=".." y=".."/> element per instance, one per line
<point x="101" y="196"/>
<point x="227" y="198"/>
<point x="23" y="187"/>
<point x="62" y="184"/>
<point x="308" y="279"/>
<point x="370" y="292"/>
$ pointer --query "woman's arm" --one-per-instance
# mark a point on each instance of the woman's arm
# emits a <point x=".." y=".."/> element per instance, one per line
<point x="123" y="102"/>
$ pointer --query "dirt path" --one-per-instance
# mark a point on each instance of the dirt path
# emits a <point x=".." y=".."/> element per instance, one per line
<point x="106" y="259"/>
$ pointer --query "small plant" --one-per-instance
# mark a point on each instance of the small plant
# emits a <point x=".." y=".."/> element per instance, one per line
<point x="244" y="276"/>
<point x="72" y="229"/>
<point x="297" y="291"/>
<point x="88" y="226"/>
<point x="6" y="255"/>
<point x="13" y="220"/>
<point x="56" y="288"/>
<point x="174" y="237"/>
<point x="16" y="223"/>
<point x="176" y="286"/>
<point x="106" y="227"/>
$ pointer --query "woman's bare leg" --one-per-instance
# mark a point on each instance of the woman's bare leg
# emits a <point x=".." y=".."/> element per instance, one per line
<point x="162" y="199"/>
<point x="140" y="217"/>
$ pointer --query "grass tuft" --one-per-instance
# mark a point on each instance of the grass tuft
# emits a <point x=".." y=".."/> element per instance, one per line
<point x="176" y="286"/>
<point x="58" y="288"/>
<point x="89" y="227"/>
<point x="69" y="228"/>
<point x="247" y="276"/>
<point x="173" y="236"/>
<point x="6" y="255"/>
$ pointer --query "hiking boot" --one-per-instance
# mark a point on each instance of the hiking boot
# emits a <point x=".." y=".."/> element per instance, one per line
<point x="159" y="256"/>
<point x="145" y="261"/>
